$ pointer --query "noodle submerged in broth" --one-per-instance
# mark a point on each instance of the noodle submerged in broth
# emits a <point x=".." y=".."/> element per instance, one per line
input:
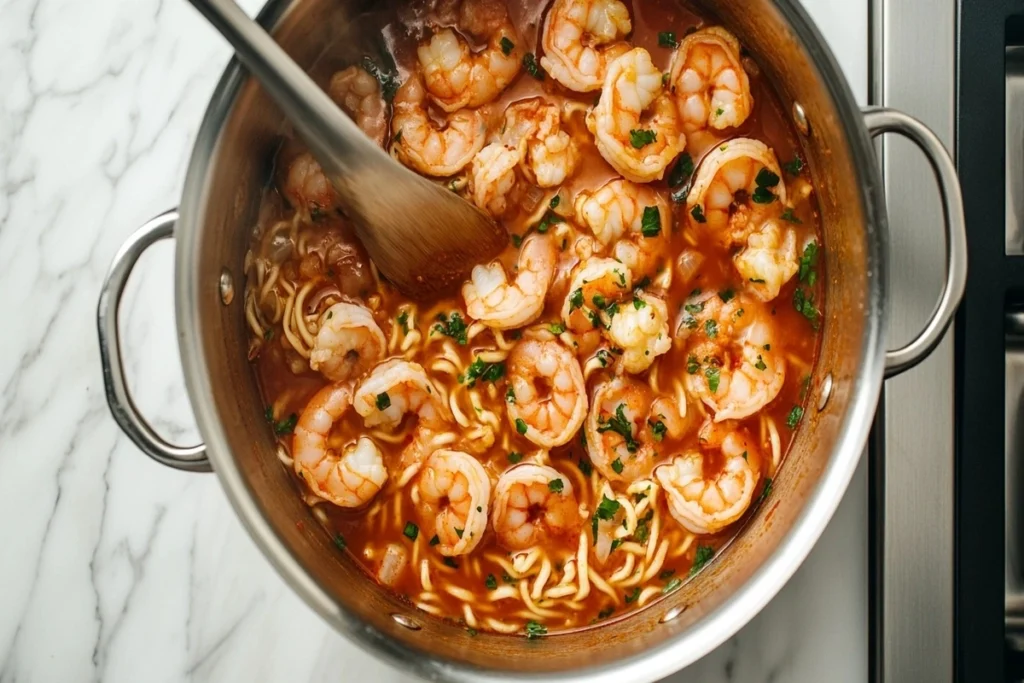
<point x="591" y="418"/>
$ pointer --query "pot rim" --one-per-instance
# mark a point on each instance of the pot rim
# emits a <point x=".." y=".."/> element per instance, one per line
<point x="738" y="608"/>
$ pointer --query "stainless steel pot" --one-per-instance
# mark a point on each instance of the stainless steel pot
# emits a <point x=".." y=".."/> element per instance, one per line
<point x="212" y="229"/>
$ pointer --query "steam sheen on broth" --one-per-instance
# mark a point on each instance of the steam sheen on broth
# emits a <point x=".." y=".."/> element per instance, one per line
<point x="585" y="425"/>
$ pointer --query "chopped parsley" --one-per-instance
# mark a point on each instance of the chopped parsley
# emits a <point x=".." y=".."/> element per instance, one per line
<point x="471" y="631"/>
<point x="650" y="224"/>
<point x="521" y="425"/>
<point x="658" y="428"/>
<point x="701" y="557"/>
<point x="642" y="137"/>
<point x="672" y="585"/>
<point x="606" y="612"/>
<point x="794" y="417"/>
<point x="788" y="215"/>
<point x="803" y="302"/>
<point x="507" y="46"/>
<point x="555" y="201"/>
<point x="411" y="531"/>
<point x="713" y="376"/>
<point x="727" y="295"/>
<point x="760" y="363"/>
<point x="556" y="327"/>
<point x="602" y="357"/>
<point x="621" y="426"/>
<point x="403" y="321"/>
<point x="606" y="511"/>
<point x="388" y="79"/>
<point x="450" y="562"/>
<point x="576" y="299"/>
<point x="535" y="630"/>
<point x="666" y="573"/>
<point x="681" y="173"/>
<point x="435" y="540"/>
<point x="667" y="39"/>
<point x="510" y="395"/>
<point x="793" y="167"/>
<point x="638" y="303"/>
<point x="711" y="329"/>
<point x="757" y="280"/>
<point x="532" y="67"/>
<point x="285" y="426"/>
<point x="550" y="218"/>
<point x="698" y="214"/>
<point x="719" y="111"/>
<point x="491" y="582"/>
<point x="644" y="282"/>
<point x="643" y="527"/>
<point x="766" y="491"/>
<point x="488" y="372"/>
<point x="556" y="485"/>
<point x="585" y="467"/>
<point x="631" y="597"/>
<point x="453" y="326"/>
<point x="339" y="542"/>
<point x="692" y="366"/>
<point x="612" y="309"/>
<point x="517" y="240"/>
<point x="617" y="465"/>
<point x="383" y="401"/>
<point x="515" y="457"/>
<point x="765" y="181"/>
<point x="459" y="532"/>
<point x="808" y="263"/>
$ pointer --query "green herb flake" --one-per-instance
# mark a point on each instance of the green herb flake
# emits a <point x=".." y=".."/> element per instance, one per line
<point x="403" y="321"/>
<point x="556" y="327"/>
<point x="556" y="485"/>
<point x="643" y="528"/>
<point x="692" y="366"/>
<point x="793" y="167"/>
<point x="603" y="357"/>
<point x="287" y="425"/>
<point x="632" y="596"/>
<point x="388" y="80"/>
<point x="719" y="111"/>
<point x="667" y="39"/>
<point x="383" y="401"/>
<point x="517" y="240"/>
<point x="681" y="172"/>
<point x="507" y="46"/>
<point x="641" y="138"/>
<point x="808" y="263"/>
<point x="766" y="178"/>
<point x="411" y="531"/>
<point x="549" y="219"/>
<point x="711" y="329"/>
<point x="760" y="363"/>
<point x="713" y="376"/>
<point x="452" y="325"/>
<point x="521" y="425"/>
<point x="658" y="429"/>
<point x="435" y="540"/>
<point x="532" y="67"/>
<point x="650" y="224"/>
<point x="621" y="426"/>
<point x="789" y="215"/>
<point x="555" y="201"/>
<point x="701" y="557"/>
<point x="803" y="302"/>
<point x="535" y="630"/>
<point x="491" y="582"/>
<point x="585" y="467"/>
<point x="450" y="562"/>
<point x="766" y="491"/>
<point x="666" y="574"/>
<point x="471" y="631"/>
<point x="638" y="303"/>
<point x="672" y="585"/>
<point x="487" y="372"/>
<point x="727" y="295"/>
<point x="339" y="542"/>
<point x="617" y="465"/>
<point x="459" y="532"/>
<point x="794" y="417"/>
<point x="698" y="214"/>
<point x="605" y="613"/>
<point x="510" y="395"/>
<point x="576" y="299"/>
<point x="762" y="195"/>
<point x="757" y="280"/>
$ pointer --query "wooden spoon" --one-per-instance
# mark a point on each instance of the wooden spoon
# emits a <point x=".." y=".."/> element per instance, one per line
<point x="421" y="236"/>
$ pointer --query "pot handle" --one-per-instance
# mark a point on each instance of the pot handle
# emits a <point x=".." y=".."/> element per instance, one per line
<point x="879" y="120"/>
<point x="123" y="409"/>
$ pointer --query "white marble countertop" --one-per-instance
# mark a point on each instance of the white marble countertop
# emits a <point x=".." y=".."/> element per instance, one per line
<point x="113" y="568"/>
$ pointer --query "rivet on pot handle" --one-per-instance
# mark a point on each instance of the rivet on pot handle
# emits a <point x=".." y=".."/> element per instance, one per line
<point x="878" y="121"/>
<point x="124" y="410"/>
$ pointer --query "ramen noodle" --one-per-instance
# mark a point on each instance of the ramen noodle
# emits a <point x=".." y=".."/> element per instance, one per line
<point x="582" y="426"/>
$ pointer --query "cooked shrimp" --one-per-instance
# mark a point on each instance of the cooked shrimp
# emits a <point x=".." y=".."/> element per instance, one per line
<point x="706" y="506"/>
<point x="454" y="494"/>
<point x="358" y="93"/>
<point x="498" y="303"/>
<point x="769" y="260"/>
<point x="349" y="479"/>
<point x="426" y="147"/>
<point x="633" y="219"/>
<point x="492" y="176"/>
<point x="549" y="154"/>
<point x="348" y="343"/>
<point x="711" y="88"/>
<point x="533" y="504"/>
<point x="640" y="329"/>
<point x="735" y="365"/>
<point x="455" y="76"/>
<point x="621" y="437"/>
<point x="635" y="123"/>
<point x="743" y="165"/>
<point x="596" y="284"/>
<point x="580" y="38"/>
<point x="549" y="398"/>
<point x="307" y="188"/>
